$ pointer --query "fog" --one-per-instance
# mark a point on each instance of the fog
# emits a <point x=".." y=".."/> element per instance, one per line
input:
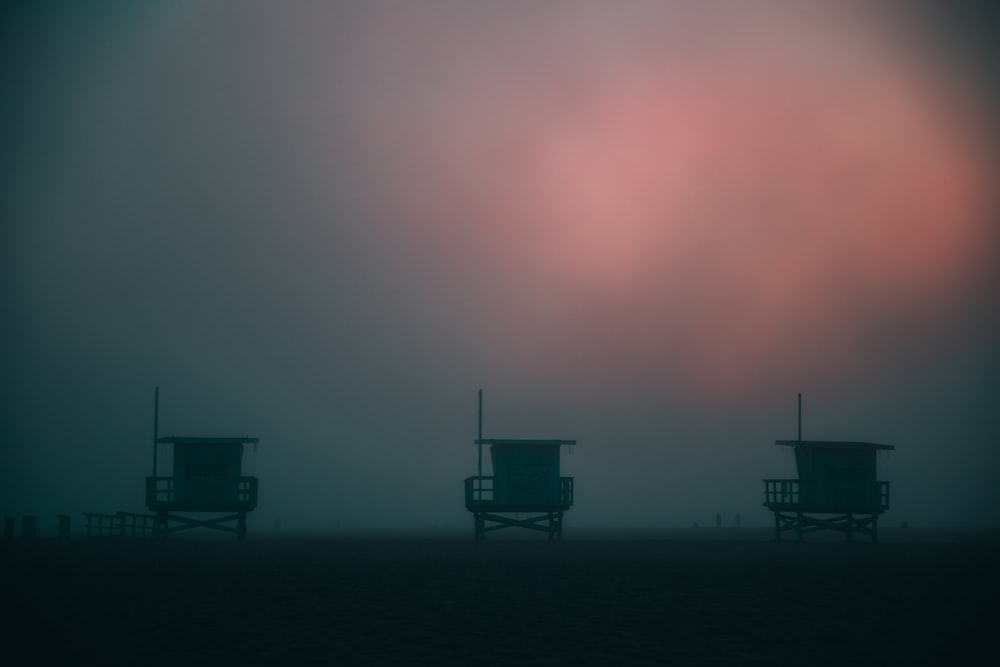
<point x="646" y="226"/>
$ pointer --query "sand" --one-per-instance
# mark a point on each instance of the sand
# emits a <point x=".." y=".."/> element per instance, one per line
<point x="717" y="598"/>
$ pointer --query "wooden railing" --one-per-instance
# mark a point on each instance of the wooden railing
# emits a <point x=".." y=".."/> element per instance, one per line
<point x="781" y="492"/>
<point x="566" y="490"/>
<point x="102" y="525"/>
<point x="790" y="492"/>
<point x="137" y="525"/>
<point x="160" y="492"/>
<point x="480" y="490"/>
<point x="121" y="524"/>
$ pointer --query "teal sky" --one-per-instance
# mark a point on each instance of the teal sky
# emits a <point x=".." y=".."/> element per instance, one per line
<point x="326" y="225"/>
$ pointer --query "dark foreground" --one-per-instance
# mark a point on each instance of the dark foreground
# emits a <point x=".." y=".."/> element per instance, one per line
<point x="445" y="601"/>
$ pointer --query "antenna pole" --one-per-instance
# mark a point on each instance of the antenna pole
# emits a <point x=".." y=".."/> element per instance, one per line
<point x="800" y="416"/>
<point x="479" y="441"/>
<point x="156" y="424"/>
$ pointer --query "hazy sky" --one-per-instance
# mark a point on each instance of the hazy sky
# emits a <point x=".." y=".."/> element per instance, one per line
<point x="643" y="225"/>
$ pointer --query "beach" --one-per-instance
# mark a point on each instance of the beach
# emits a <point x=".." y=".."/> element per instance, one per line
<point x="690" y="597"/>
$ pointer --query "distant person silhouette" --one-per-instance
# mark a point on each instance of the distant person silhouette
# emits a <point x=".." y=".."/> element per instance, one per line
<point x="718" y="521"/>
<point x="737" y="520"/>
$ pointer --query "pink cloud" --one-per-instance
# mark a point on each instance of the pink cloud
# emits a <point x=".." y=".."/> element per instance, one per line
<point x="707" y="203"/>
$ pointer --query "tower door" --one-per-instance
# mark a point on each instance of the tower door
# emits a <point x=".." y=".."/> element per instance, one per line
<point x="846" y="488"/>
<point x="528" y="484"/>
<point x="206" y="475"/>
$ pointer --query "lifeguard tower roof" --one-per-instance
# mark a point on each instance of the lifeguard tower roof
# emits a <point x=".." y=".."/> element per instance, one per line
<point x="183" y="440"/>
<point x="833" y="444"/>
<point x="502" y="441"/>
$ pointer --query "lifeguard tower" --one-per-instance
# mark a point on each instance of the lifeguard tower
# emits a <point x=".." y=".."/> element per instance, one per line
<point x="207" y="480"/>
<point x="525" y="481"/>
<point x="837" y="488"/>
